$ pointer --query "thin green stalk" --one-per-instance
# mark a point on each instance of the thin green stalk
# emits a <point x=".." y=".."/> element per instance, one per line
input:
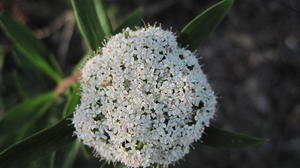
<point x="52" y="160"/>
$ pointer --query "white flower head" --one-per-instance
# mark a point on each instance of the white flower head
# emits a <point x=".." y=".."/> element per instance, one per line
<point x="144" y="99"/>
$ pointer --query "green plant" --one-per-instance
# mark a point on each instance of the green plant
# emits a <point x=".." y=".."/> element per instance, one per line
<point x="29" y="142"/>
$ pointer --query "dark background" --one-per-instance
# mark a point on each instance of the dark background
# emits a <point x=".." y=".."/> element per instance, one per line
<point x="252" y="62"/>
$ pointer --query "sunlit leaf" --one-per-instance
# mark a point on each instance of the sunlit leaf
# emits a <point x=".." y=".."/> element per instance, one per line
<point x="88" y="23"/>
<point x="132" y="20"/>
<point x="216" y="137"/>
<point x="199" y="29"/>
<point x="38" y="145"/>
<point x="30" y="47"/>
<point x="103" y="17"/>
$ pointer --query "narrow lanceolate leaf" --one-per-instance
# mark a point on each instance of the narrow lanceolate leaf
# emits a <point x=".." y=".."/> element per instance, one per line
<point x="199" y="29"/>
<point x="30" y="75"/>
<point x="216" y="137"/>
<point x="52" y="160"/>
<point x="103" y="17"/>
<point x="26" y="128"/>
<point x="25" y="112"/>
<point x="30" y="47"/>
<point x="71" y="155"/>
<point x="132" y="20"/>
<point x="88" y="23"/>
<point x="73" y="100"/>
<point x="40" y="144"/>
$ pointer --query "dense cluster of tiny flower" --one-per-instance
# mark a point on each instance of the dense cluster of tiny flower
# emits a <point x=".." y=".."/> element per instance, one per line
<point x="144" y="99"/>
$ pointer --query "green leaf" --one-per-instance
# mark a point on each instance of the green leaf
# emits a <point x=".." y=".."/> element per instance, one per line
<point x="52" y="160"/>
<point x="71" y="156"/>
<point x="88" y="23"/>
<point x="38" y="145"/>
<point x="29" y="75"/>
<point x="84" y="150"/>
<point x="27" y="128"/>
<point x="2" y="55"/>
<point x="103" y="17"/>
<point x="216" y="137"/>
<point x="132" y="20"/>
<point x="73" y="100"/>
<point x="199" y="29"/>
<point x="105" y="164"/>
<point x="157" y="166"/>
<point x="120" y="165"/>
<point x="24" y="112"/>
<point x="19" y="86"/>
<point x="30" y="47"/>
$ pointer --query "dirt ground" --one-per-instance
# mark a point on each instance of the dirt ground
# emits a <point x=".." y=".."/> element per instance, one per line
<point x="252" y="62"/>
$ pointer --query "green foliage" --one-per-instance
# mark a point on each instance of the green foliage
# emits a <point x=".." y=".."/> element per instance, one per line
<point x="199" y="29"/>
<point x="1" y="57"/>
<point x="132" y="20"/>
<point x="28" y="76"/>
<point x="25" y="112"/>
<point x="103" y="17"/>
<point x="94" y="25"/>
<point x="38" y="145"/>
<point x="88" y="23"/>
<point x="69" y="161"/>
<point x="28" y="127"/>
<point x="30" y="47"/>
<point x="216" y="137"/>
<point x="73" y="100"/>
<point x="105" y="164"/>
